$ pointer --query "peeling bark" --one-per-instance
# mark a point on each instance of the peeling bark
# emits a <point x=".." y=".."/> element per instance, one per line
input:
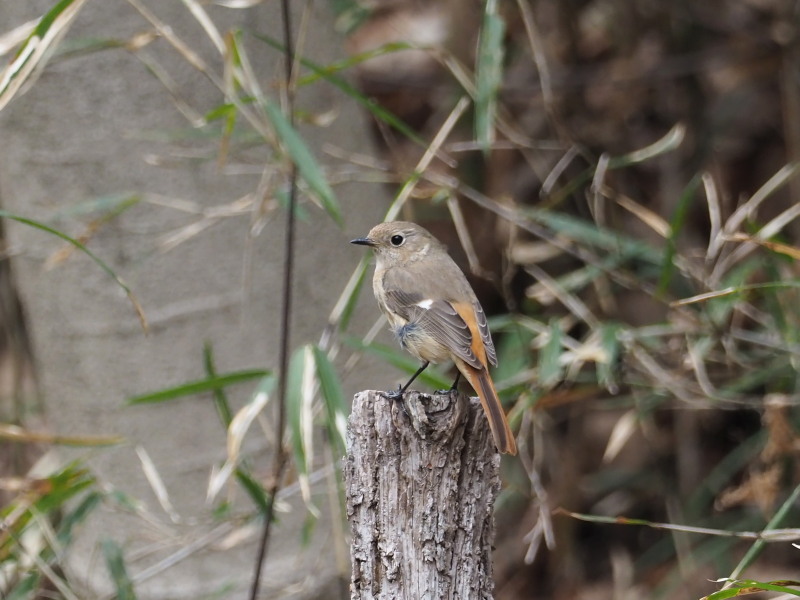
<point x="421" y="481"/>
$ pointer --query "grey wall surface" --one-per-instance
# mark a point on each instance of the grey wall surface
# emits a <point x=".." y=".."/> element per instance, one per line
<point x="90" y="127"/>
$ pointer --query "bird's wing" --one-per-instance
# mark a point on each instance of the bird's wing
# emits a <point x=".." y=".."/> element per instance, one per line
<point x="486" y="336"/>
<point x="439" y="319"/>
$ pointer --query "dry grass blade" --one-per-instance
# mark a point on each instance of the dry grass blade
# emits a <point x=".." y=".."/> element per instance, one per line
<point x="653" y="220"/>
<point x="771" y="228"/>
<point x="427" y="157"/>
<point x="673" y="138"/>
<point x="714" y="214"/>
<point x="623" y="430"/>
<point x="552" y="177"/>
<point x="157" y="484"/>
<point x="166" y="32"/>
<point x="464" y="237"/>
<point x="746" y="210"/>
<point x="540" y="60"/>
<point x="785" y="249"/>
<point x="55" y="578"/>
<point x="697" y="352"/>
<point x="768" y="535"/>
<point x="705" y="296"/>
<point x="160" y="73"/>
<point x="596" y="190"/>
<point x="199" y="13"/>
<point x="574" y="304"/>
<point x="240" y="425"/>
<point x="238" y="3"/>
<point x="19" y="434"/>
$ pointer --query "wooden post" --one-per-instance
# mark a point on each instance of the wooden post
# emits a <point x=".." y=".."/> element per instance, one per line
<point x="421" y="480"/>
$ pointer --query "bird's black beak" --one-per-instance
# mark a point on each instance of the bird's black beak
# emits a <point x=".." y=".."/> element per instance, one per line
<point x="363" y="242"/>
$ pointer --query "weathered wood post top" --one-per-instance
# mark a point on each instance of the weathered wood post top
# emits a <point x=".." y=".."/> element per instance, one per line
<point x="421" y="480"/>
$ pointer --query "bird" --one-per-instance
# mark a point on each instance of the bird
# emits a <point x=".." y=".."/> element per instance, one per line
<point x="434" y="313"/>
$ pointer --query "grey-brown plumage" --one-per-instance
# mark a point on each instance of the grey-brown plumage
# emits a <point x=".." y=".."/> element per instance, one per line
<point x="433" y="311"/>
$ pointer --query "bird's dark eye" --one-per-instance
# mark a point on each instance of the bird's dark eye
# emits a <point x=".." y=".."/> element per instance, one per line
<point x="397" y="240"/>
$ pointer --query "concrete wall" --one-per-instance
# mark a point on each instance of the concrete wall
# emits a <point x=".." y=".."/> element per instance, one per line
<point x="91" y="127"/>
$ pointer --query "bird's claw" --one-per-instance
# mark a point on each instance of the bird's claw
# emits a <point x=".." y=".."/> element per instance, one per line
<point x="395" y="394"/>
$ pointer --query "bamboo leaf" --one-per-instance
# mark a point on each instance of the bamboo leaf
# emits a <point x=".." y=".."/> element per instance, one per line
<point x="746" y="587"/>
<point x="488" y="74"/>
<point x="758" y="546"/>
<point x="328" y="73"/>
<point x="307" y="165"/>
<point x="220" y="399"/>
<point x="32" y="56"/>
<point x="300" y="390"/>
<point x="41" y="226"/>
<point x="335" y="404"/>
<point x="609" y="341"/>
<point x="237" y="430"/>
<point x="254" y="489"/>
<point x="115" y="563"/>
<point x="550" y="368"/>
<point x="676" y="226"/>
<point x="209" y="384"/>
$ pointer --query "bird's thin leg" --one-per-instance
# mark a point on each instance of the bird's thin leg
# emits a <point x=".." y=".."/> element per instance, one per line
<point x="453" y="387"/>
<point x="398" y="395"/>
<point x="455" y="383"/>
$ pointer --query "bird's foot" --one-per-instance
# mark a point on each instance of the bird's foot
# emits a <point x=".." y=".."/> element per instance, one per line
<point x="451" y="390"/>
<point x="396" y="395"/>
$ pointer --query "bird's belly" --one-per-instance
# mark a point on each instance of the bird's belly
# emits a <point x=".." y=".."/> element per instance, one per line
<point x="414" y="339"/>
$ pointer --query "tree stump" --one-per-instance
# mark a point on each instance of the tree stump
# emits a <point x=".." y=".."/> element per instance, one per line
<point x="421" y="480"/>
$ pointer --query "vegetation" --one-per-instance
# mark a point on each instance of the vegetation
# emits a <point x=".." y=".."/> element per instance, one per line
<point x="622" y="183"/>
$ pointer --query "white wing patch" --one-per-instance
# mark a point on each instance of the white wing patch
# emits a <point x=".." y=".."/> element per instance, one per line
<point x="425" y="304"/>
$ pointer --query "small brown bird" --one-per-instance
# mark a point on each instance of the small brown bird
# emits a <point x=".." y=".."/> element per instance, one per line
<point x="434" y="312"/>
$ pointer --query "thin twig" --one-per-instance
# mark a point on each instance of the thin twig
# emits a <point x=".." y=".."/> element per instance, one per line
<point x="281" y="455"/>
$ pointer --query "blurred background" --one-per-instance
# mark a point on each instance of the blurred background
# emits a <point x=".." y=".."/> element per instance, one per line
<point x="618" y="180"/>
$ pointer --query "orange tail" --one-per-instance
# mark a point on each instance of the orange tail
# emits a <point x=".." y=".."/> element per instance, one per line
<point x="482" y="383"/>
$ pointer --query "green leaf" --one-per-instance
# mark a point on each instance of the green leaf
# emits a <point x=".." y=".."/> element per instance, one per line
<point x="745" y="587"/>
<point x="115" y="563"/>
<point x="590" y="234"/>
<point x="300" y="388"/>
<point x="488" y="74"/>
<point x="35" y="51"/>
<point x="295" y="408"/>
<point x="609" y="341"/>
<point x="346" y="304"/>
<point x="758" y="546"/>
<point x="37" y="225"/>
<point x="220" y="399"/>
<point x="108" y="207"/>
<point x="254" y="489"/>
<point x="335" y="403"/>
<point x="26" y="588"/>
<point x="513" y="351"/>
<point x="307" y="165"/>
<point x="676" y="226"/>
<point x="77" y="515"/>
<point x="64" y="485"/>
<point x="197" y="387"/>
<point x="328" y="74"/>
<point x="550" y="368"/>
<point x="723" y="594"/>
